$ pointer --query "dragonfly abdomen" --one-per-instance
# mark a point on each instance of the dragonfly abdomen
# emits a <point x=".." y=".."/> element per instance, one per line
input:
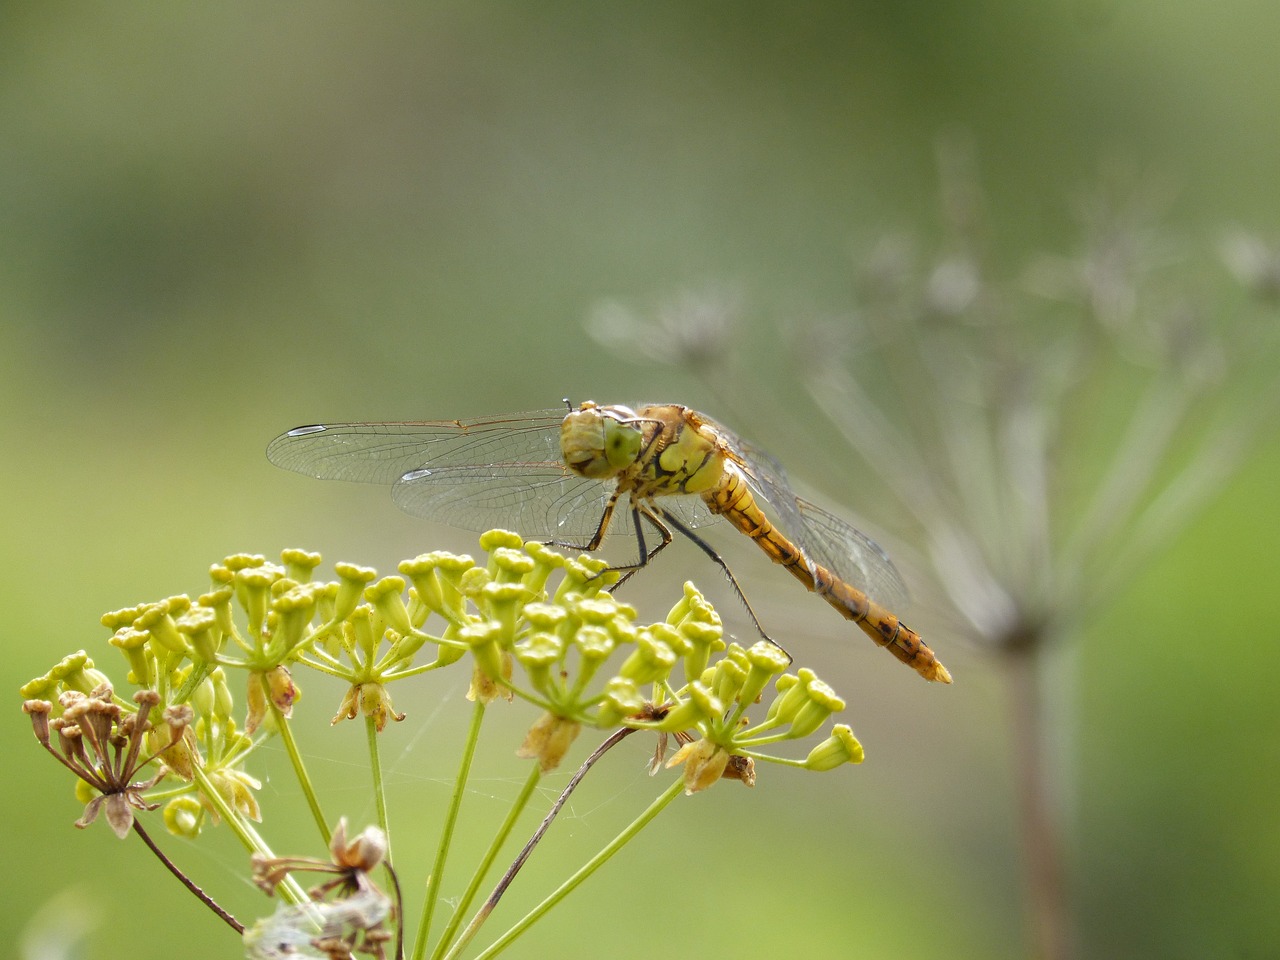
<point x="732" y="500"/>
<point x="885" y="629"/>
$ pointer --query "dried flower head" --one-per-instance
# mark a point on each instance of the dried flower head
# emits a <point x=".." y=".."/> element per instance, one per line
<point x="101" y="744"/>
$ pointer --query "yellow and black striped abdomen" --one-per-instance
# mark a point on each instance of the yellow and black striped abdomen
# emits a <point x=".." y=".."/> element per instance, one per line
<point x="732" y="500"/>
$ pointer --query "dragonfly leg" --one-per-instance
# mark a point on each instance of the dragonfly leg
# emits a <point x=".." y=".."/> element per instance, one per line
<point x="645" y="555"/>
<point x="598" y="537"/>
<point x="733" y="581"/>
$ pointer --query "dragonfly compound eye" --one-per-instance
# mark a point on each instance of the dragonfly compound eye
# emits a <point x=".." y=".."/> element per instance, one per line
<point x="621" y="443"/>
<point x="582" y="443"/>
<point x="597" y="445"/>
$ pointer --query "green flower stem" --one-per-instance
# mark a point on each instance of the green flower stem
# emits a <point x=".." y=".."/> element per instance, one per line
<point x="379" y="790"/>
<point x="528" y="696"/>
<point x="325" y="665"/>
<point x="299" y="768"/>
<point x="731" y="721"/>
<point x="290" y="890"/>
<point x="588" y="868"/>
<point x="464" y="904"/>
<point x="760" y="741"/>
<point x="483" y="913"/>
<point x="200" y="671"/>
<point x="383" y="664"/>
<point x="446" y="836"/>
<point x="390" y="675"/>
<point x="769" y="758"/>
<point x="762" y="729"/>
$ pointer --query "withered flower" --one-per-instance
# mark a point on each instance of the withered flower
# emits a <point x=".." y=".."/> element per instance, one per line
<point x="347" y="915"/>
<point x="101" y="744"/>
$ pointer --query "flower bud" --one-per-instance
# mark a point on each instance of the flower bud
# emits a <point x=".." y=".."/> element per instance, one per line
<point x="838" y="749"/>
<point x="299" y="564"/>
<point x="483" y="640"/>
<point x="352" y="580"/>
<point x="821" y="702"/>
<point x="767" y="660"/>
<point x="183" y="817"/>
<point x="538" y="654"/>
<point x="493" y="540"/>
<point x="508" y="564"/>
<point x="651" y="660"/>
<point x="621" y="699"/>
<point x="699" y="707"/>
<point x="387" y="596"/>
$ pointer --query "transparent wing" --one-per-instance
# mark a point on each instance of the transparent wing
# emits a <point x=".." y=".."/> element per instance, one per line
<point x="822" y="537"/>
<point x="503" y="471"/>
<point x="539" y="501"/>
<point x="384" y="452"/>
<point x="855" y="557"/>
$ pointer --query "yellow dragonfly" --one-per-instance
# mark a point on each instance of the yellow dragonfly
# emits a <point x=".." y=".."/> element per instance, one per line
<point x="560" y="476"/>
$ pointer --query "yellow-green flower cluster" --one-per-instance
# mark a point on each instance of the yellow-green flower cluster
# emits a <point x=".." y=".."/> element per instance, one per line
<point x="716" y="705"/>
<point x="538" y="625"/>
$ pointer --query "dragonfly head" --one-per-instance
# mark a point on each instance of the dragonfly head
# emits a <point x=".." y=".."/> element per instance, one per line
<point x="600" y="442"/>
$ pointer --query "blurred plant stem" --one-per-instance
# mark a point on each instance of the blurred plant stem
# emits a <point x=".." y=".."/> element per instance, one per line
<point x="1041" y="437"/>
<point x="1040" y="837"/>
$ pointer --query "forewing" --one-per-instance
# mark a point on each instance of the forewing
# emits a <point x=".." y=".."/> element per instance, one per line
<point x="384" y="452"/>
<point x="502" y="471"/>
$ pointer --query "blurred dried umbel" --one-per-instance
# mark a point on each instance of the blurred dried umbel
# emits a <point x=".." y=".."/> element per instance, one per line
<point x="1040" y="431"/>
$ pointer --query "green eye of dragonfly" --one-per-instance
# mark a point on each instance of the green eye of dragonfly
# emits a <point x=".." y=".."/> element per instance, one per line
<point x="621" y="444"/>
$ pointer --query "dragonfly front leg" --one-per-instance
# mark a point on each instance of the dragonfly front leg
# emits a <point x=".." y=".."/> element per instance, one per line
<point x="598" y="537"/>
<point x="642" y="558"/>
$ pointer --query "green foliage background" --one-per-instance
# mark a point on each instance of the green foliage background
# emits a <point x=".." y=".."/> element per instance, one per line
<point x="220" y="221"/>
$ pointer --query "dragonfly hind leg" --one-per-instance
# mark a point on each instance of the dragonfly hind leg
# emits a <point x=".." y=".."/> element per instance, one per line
<point x="733" y="581"/>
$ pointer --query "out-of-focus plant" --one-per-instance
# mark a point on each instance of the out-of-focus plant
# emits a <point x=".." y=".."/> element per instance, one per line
<point x="531" y="625"/>
<point x="1041" y="434"/>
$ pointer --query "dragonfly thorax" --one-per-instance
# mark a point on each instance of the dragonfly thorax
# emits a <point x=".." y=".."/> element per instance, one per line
<point x="657" y="450"/>
<point x="600" y="442"/>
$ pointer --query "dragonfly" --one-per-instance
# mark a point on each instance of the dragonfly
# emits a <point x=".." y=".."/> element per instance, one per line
<point x="562" y="475"/>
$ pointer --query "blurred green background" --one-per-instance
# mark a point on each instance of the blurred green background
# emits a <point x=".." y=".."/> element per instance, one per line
<point x="221" y="221"/>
